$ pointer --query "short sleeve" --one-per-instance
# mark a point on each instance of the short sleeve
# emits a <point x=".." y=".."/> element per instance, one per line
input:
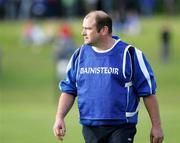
<point x="144" y="82"/>
<point x="68" y="85"/>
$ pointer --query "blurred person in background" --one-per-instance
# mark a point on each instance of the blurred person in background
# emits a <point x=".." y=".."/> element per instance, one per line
<point x="165" y="42"/>
<point x="64" y="47"/>
<point x="132" y="23"/>
<point x="33" y="34"/>
<point x="118" y="15"/>
<point x="12" y="9"/>
<point x="25" y="9"/>
<point x="126" y="17"/>
<point x="27" y="32"/>
<point x="108" y="76"/>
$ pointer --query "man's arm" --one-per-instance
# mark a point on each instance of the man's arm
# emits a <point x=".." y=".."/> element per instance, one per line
<point x="152" y="107"/>
<point x="65" y="103"/>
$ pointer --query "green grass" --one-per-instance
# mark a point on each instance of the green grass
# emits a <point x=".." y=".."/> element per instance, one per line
<point x="28" y="93"/>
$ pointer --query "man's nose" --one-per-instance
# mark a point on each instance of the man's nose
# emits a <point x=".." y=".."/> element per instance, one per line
<point x="83" y="32"/>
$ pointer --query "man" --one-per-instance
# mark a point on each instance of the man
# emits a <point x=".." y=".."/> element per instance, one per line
<point x="108" y="77"/>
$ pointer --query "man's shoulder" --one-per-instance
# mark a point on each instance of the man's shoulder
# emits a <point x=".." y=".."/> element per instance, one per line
<point x="123" y="46"/>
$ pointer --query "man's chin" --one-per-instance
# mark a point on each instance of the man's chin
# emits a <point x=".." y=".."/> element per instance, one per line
<point x="87" y="43"/>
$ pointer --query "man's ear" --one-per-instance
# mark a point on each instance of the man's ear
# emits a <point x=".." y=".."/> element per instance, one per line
<point x="104" y="30"/>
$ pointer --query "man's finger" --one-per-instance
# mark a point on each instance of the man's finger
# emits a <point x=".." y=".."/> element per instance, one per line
<point x="62" y="132"/>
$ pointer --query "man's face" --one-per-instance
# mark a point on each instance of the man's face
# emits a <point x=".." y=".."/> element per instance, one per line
<point x="89" y="31"/>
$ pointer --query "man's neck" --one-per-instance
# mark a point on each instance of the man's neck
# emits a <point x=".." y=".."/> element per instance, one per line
<point x="105" y="44"/>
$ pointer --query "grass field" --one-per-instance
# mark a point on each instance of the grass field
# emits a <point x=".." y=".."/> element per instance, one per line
<point x="28" y="94"/>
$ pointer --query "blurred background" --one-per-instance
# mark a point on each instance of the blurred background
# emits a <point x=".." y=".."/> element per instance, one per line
<point x="37" y="38"/>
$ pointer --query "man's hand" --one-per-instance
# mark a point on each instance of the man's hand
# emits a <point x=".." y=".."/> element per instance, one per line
<point x="65" y="103"/>
<point x="156" y="135"/>
<point x="59" y="129"/>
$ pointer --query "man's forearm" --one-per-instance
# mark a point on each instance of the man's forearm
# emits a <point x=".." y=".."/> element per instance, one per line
<point x="65" y="103"/>
<point x="153" y="109"/>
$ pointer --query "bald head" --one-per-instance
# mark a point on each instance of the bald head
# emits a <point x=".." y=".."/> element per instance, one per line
<point x="102" y="19"/>
<point x="99" y="13"/>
